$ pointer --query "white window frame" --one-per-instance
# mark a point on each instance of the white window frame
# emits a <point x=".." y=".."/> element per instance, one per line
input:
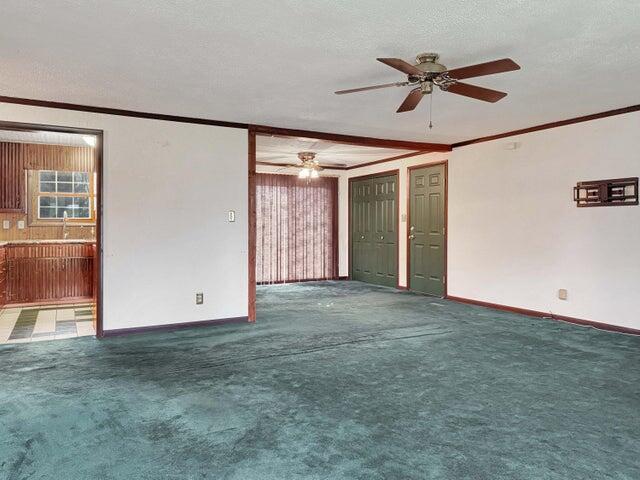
<point x="88" y="195"/>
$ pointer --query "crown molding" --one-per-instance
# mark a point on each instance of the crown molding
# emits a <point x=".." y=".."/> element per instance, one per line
<point x="546" y="126"/>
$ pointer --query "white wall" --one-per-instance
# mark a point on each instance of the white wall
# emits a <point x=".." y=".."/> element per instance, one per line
<point x="167" y="189"/>
<point x="515" y="234"/>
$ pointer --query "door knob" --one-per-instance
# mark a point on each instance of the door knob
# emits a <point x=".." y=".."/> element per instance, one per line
<point x="361" y="237"/>
<point x="412" y="236"/>
<point x="381" y="237"/>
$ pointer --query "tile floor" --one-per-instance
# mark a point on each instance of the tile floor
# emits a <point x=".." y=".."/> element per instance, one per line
<point x="45" y="322"/>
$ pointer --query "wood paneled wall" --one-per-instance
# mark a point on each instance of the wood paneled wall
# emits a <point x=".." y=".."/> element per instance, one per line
<point x="42" y="232"/>
<point x="12" y="187"/>
<point x="48" y="272"/>
<point x="15" y="160"/>
<point x="35" y="156"/>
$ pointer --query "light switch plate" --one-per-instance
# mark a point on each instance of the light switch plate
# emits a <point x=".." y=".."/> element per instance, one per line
<point x="199" y="298"/>
<point x="20" y="224"/>
<point x="562" y="294"/>
<point x="232" y="215"/>
<point x="6" y="224"/>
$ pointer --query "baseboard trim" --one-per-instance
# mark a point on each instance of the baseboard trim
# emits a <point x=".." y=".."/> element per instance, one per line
<point x="535" y="313"/>
<point x="281" y="282"/>
<point x="45" y="303"/>
<point x="344" y="278"/>
<point x="401" y="287"/>
<point x="117" y="332"/>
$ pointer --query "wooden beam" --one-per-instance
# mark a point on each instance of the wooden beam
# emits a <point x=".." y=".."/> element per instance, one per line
<point x="389" y="159"/>
<point x="352" y="139"/>
<point x="252" y="226"/>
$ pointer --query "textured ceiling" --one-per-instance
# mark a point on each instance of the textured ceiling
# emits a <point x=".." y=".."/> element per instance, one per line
<point x="279" y="150"/>
<point x="49" y="138"/>
<point x="277" y="62"/>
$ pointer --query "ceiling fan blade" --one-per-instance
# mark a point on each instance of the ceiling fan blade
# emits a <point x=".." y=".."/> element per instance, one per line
<point x="411" y="101"/>
<point x="488" y="68"/>
<point x="401" y="65"/>
<point x="286" y="167"/>
<point x="333" y="165"/>
<point x="373" y="87"/>
<point x="473" y="91"/>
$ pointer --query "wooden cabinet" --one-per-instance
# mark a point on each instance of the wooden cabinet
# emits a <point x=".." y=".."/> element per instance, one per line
<point x="3" y="275"/>
<point x="12" y="187"/>
<point x="48" y="272"/>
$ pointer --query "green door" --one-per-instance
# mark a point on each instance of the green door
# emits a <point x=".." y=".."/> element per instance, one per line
<point x="374" y="234"/>
<point x="361" y="231"/>
<point x="427" y="230"/>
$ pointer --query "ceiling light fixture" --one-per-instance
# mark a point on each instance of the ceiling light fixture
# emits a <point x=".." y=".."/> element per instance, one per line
<point x="304" y="173"/>
<point x="310" y="168"/>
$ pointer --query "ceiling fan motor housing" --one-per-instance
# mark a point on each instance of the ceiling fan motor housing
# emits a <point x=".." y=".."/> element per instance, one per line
<point x="306" y="156"/>
<point x="427" y="63"/>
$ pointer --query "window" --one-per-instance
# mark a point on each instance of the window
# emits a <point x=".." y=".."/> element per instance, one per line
<point x="64" y="195"/>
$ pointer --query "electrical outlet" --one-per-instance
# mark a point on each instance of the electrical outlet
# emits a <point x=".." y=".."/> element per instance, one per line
<point x="562" y="294"/>
<point x="20" y="224"/>
<point x="232" y="215"/>
<point x="199" y="298"/>
<point x="6" y="224"/>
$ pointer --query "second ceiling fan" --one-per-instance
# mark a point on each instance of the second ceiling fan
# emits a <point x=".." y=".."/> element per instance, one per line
<point x="427" y="72"/>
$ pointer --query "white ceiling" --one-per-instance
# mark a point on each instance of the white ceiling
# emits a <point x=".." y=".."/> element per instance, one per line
<point x="49" y="138"/>
<point x="277" y="62"/>
<point x="284" y="150"/>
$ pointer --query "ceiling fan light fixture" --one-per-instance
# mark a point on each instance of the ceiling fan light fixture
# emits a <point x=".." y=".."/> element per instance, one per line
<point x="314" y="173"/>
<point x="304" y="173"/>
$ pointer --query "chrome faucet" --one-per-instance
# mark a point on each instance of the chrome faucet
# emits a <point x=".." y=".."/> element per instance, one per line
<point x="65" y="230"/>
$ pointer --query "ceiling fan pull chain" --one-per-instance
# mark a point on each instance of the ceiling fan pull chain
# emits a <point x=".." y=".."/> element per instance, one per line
<point x="430" y="110"/>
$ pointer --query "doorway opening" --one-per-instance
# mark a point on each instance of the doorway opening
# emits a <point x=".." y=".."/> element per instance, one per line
<point x="310" y="156"/>
<point x="427" y="229"/>
<point x="296" y="202"/>
<point x="50" y="232"/>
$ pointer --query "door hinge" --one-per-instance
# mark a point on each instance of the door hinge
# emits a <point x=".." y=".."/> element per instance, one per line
<point x="444" y="279"/>
<point x="444" y="230"/>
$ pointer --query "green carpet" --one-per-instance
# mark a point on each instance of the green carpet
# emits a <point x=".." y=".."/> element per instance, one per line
<point x="337" y="380"/>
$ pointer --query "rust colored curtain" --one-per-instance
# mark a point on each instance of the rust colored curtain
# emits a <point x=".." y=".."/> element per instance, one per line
<point x="296" y="228"/>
